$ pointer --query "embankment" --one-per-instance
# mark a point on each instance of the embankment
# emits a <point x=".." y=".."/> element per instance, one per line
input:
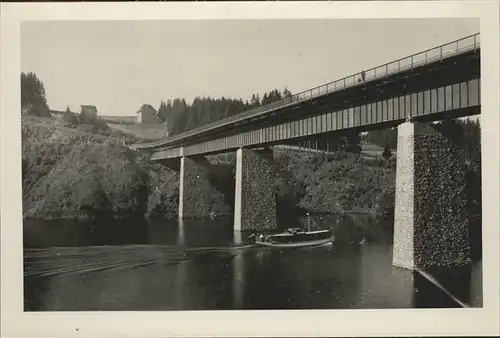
<point x="83" y="173"/>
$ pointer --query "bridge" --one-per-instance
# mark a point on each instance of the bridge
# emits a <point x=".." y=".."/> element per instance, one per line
<point x="435" y="84"/>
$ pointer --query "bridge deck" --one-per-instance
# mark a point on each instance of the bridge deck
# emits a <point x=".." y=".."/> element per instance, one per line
<point x="398" y="66"/>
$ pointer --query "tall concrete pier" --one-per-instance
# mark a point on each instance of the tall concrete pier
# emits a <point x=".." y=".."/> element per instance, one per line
<point x="431" y="221"/>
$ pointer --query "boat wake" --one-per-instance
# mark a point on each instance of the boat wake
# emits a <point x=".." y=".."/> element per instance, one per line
<point x="78" y="260"/>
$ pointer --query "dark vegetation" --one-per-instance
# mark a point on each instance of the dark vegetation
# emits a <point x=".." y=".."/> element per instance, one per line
<point x="387" y="138"/>
<point x="33" y="101"/>
<point x="77" y="167"/>
<point x="339" y="183"/>
<point x="181" y="116"/>
<point x="78" y="174"/>
<point x="387" y="152"/>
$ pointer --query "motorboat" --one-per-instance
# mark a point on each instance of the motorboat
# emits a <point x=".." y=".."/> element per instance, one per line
<point x="294" y="238"/>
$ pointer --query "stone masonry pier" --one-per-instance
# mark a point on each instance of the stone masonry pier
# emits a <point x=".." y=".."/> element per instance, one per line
<point x="201" y="192"/>
<point x="431" y="221"/>
<point x="255" y="200"/>
<point x="207" y="189"/>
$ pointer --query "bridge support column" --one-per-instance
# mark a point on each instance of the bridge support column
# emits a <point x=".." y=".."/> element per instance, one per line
<point x="431" y="221"/>
<point x="198" y="193"/>
<point x="255" y="203"/>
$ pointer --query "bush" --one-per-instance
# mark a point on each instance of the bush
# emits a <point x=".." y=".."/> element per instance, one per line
<point x="387" y="152"/>
<point x="88" y="124"/>
<point x="163" y="199"/>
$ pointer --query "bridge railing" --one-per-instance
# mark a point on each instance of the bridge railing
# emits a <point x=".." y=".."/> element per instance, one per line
<point x="462" y="45"/>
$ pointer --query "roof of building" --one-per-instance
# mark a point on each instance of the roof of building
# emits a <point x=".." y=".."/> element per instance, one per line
<point x="87" y="107"/>
<point x="151" y="110"/>
<point x="147" y="107"/>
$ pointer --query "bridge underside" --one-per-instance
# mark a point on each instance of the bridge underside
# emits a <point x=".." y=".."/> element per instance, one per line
<point x="431" y="221"/>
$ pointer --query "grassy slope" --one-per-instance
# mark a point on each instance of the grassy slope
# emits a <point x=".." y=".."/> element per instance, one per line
<point x="142" y="132"/>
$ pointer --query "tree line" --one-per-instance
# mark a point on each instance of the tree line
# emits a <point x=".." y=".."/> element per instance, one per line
<point x="33" y="95"/>
<point x="181" y="116"/>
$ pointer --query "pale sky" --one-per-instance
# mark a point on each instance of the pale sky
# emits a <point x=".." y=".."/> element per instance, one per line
<point x="120" y="65"/>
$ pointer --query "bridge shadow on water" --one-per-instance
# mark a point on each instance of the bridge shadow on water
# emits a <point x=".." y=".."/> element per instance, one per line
<point x="204" y="265"/>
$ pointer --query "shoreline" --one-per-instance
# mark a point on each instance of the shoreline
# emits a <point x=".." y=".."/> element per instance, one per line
<point x="114" y="218"/>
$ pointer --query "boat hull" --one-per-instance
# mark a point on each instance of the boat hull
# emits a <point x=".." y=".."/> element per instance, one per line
<point x="296" y="244"/>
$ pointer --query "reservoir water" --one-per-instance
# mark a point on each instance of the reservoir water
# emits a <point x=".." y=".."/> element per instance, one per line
<point x="204" y="265"/>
